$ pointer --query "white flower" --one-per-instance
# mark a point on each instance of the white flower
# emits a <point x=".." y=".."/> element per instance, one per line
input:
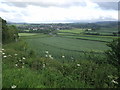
<point x="13" y="86"/>
<point x="24" y="58"/>
<point x="46" y="55"/>
<point x="4" y="56"/>
<point x="15" y="54"/>
<point x="3" y="53"/>
<point x="3" y="49"/>
<point x="110" y="76"/>
<point x="23" y="63"/>
<point x="43" y="65"/>
<point x="63" y="56"/>
<point x="50" y="56"/>
<point x="10" y="55"/>
<point x="46" y="52"/>
<point x="114" y="82"/>
<point x="16" y="65"/>
<point x="78" y="65"/>
<point x="22" y="66"/>
<point x="71" y="57"/>
<point x="20" y="60"/>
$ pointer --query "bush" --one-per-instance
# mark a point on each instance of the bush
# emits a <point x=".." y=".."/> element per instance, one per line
<point x="113" y="55"/>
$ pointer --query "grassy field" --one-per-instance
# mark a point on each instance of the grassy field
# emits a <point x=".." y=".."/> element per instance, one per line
<point x="79" y="34"/>
<point x="22" y="69"/>
<point x="91" y="37"/>
<point x="70" y="44"/>
<point x="58" y="47"/>
<point x="73" y="31"/>
<point x="27" y="34"/>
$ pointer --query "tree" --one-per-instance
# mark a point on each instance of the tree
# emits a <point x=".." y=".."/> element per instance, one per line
<point x="113" y="55"/>
<point x="9" y="33"/>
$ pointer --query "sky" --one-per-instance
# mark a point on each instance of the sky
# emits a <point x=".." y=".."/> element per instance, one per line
<point x="58" y="11"/>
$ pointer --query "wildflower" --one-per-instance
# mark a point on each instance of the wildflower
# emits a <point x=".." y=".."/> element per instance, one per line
<point x="4" y="56"/>
<point x="115" y="82"/>
<point x="116" y="77"/>
<point x="46" y="55"/>
<point x="16" y="65"/>
<point x="63" y="56"/>
<point x="23" y="63"/>
<point x="46" y="52"/>
<point x="3" y="53"/>
<point x="71" y="57"/>
<point x="9" y="55"/>
<point x="50" y="56"/>
<point x="110" y="76"/>
<point x="3" y="49"/>
<point x="22" y="66"/>
<point x="15" y="54"/>
<point x="43" y="65"/>
<point x="24" y="58"/>
<point x="78" y="65"/>
<point x="13" y="86"/>
<point x="20" y="60"/>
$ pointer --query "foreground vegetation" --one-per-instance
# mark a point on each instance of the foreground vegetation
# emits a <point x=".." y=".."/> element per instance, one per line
<point x="50" y="73"/>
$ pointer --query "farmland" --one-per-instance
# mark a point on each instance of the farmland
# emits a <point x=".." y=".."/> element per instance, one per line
<point x="66" y="58"/>
<point x="72" y="43"/>
<point x="26" y="34"/>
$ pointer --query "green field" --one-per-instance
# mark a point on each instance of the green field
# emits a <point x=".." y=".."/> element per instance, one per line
<point x="71" y="43"/>
<point x="27" y="34"/>
<point x="62" y="46"/>
<point x="73" y="31"/>
<point x="79" y="34"/>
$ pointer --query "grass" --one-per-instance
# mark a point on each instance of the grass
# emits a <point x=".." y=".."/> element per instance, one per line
<point x="72" y="49"/>
<point x="40" y="72"/>
<point x="91" y="37"/>
<point x="72" y="31"/>
<point x="36" y="71"/>
<point x="70" y="44"/>
<point x="71" y="34"/>
<point x="27" y="34"/>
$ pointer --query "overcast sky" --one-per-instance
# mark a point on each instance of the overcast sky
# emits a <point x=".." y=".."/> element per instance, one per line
<point x="57" y="11"/>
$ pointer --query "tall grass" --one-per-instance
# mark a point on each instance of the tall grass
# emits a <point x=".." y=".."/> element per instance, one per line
<point x="22" y="70"/>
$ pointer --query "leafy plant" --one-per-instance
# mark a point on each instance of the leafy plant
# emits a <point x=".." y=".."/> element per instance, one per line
<point x="113" y="55"/>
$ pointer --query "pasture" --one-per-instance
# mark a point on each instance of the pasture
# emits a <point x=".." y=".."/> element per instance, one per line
<point x="70" y="48"/>
<point x="77" y="31"/>
<point x="27" y="34"/>
<point x="70" y="44"/>
<point x="105" y="34"/>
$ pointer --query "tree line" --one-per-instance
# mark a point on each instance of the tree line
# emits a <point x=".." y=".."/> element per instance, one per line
<point x="9" y="32"/>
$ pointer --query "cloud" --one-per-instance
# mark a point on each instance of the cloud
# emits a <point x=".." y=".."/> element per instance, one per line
<point x="47" y="3"/>
<point x="108" y="5"/>
<point x="3" y="10"/>
<point x="56" y="11"/>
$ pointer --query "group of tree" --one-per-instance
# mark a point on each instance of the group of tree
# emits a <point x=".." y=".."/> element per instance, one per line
<point x="9" y="32"/>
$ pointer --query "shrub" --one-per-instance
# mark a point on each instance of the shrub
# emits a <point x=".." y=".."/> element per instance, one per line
<point x="113" y="55"/>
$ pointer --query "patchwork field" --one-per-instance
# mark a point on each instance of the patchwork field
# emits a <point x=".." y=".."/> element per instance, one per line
<point x="71" y="43"/>
<point x="70" y="48"/>
<point x="106" y="34"/>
